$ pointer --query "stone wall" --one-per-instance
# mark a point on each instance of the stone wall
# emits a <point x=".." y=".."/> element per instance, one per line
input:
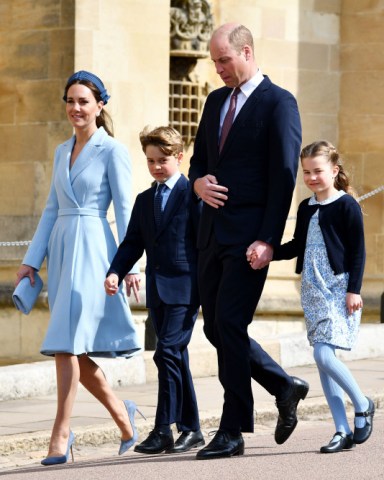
<point x="37" y="52"/>
<point x="361" y="122"/>
<point x="326" y="52"/>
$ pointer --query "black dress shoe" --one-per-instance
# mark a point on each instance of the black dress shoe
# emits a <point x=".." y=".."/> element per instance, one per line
<point x="361" y="435"/>
<point x="186" y="441"/>
<point x="344" y="442"/>
<point x="287" y="420"/>
<point x="157" y="442"/>
<point x="222" y="445"/>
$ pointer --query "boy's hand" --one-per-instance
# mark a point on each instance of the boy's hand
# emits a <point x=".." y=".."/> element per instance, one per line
<point x="111" y="284"/>
<point x="132" y="282"/>
<point x="354" y="302"/>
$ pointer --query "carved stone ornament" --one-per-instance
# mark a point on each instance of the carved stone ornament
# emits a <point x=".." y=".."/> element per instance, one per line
<point x="191" y="28"/>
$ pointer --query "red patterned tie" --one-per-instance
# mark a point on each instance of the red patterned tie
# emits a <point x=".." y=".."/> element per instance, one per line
<point x="228" y="120"/>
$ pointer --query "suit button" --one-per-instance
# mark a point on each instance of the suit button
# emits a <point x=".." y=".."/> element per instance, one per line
<point x="157" y="267"/>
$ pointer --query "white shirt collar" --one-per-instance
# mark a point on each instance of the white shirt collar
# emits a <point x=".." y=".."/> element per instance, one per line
<point x="248" y="87"/>
<point x="171" y="182"/>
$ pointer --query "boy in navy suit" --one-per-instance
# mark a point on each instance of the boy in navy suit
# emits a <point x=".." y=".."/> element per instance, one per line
<point x="164" y="224"/>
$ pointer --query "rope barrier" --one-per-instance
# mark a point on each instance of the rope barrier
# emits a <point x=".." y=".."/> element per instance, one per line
<point x="23" y="243"/>
<point x="370" y="194"/>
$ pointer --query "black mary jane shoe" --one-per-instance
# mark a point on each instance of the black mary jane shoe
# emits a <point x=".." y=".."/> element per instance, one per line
<point x="361" y="435"/>
<point x="344" y="442"/>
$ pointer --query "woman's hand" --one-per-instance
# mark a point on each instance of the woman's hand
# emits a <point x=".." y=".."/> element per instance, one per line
<point x="25" y="271"/>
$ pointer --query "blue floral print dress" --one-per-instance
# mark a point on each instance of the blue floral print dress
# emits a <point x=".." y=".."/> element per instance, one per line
<point x="323" y="294"/>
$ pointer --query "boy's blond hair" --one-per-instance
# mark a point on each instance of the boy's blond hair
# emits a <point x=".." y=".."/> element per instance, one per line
<point x="167" y="139"/>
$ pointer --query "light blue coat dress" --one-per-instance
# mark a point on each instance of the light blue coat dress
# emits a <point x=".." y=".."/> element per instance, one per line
<point x="75" y="235"/>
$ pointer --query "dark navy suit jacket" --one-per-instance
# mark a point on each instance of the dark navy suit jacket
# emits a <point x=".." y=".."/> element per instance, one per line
<point x="258" y="164"/>
<point x="171" y="248"/>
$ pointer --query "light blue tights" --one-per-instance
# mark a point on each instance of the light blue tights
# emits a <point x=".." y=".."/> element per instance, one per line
<point x="336" y="379"/>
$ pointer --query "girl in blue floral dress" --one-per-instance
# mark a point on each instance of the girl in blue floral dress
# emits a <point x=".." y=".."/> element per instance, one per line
<point x="329" y="245"/>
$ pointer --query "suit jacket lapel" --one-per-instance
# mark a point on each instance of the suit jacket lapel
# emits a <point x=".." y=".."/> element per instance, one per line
<point x="173" y="203"/>
<point x="244" y="113"/>
<point x="63" y="174"/>
<point x="91" y="150"/>
<point x="149" y="207"/>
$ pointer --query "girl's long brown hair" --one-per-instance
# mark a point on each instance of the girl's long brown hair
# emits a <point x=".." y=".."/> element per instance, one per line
<point x="326" y="149"/>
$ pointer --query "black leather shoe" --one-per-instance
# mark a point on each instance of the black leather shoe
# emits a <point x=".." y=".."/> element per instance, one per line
<point x="186" y="441"/>
<point x="287" y="420"/>
<point x="344" y="442"/>
<point x="222" y="445"/>
<point x="361" y="435"/>
<point x="157" y="442"/>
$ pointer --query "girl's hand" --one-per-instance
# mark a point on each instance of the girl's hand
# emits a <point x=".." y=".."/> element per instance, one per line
<point x="354" y="302"/>
<point x="25" y="271"/>
<point x="132" y="282"/>
<point x="111" y="284"/>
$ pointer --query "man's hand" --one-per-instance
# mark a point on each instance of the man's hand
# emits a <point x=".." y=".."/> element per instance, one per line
<point x="210" y="192"/>
<point x="259" y="254"/>
<point x="132" y="284"/>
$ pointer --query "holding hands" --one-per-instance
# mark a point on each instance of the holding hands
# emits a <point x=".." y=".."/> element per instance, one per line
<point x="259" y="254"/>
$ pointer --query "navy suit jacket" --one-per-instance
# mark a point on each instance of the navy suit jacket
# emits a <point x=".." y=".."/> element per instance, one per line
<point x="258" y="165"/>
<point x="171" y="248"/>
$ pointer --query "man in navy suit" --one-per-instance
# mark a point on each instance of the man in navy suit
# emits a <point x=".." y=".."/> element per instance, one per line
<point x="164" y="224"/>
<point x="246" y="181"/>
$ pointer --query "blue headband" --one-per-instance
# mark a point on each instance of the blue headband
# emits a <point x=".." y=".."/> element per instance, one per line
<point x="90" y="77"/>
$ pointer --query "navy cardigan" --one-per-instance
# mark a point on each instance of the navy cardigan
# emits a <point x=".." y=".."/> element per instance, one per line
<point x="341" y="223"/>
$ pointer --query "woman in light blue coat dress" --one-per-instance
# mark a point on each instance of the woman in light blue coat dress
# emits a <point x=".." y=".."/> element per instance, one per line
<point x="90" y="170"/>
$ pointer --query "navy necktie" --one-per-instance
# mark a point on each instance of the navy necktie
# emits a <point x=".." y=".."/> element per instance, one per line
<point x="158" y="202"/>
<point x="229" y="117"/>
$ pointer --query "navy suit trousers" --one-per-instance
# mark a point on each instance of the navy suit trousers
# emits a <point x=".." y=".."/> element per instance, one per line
<point x="177" y="403"/>
<point x="230" y="290"/>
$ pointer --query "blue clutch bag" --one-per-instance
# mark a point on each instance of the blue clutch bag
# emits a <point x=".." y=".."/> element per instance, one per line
<point x="24" y="297"/>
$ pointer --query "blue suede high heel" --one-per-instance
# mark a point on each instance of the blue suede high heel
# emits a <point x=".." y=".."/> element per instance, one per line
<point x="62" y="458"/>
<point x="131" y="409"/>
